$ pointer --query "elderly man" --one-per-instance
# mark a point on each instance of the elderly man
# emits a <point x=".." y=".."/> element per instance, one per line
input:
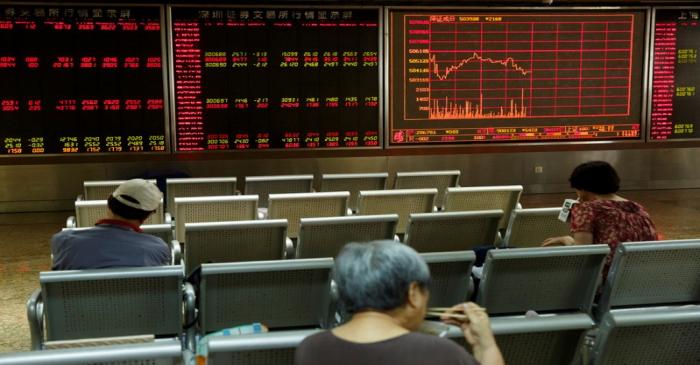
<point x="117" y="240"/>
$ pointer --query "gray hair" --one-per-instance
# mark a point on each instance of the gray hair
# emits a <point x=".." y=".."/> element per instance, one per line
<point x="377" y="275"/>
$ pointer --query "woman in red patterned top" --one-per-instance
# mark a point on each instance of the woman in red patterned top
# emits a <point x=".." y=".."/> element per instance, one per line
<point x="602" y="216"/>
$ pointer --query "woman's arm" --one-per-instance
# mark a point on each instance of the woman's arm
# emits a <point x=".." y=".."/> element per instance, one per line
<point x="579" y="238"/>
<point x="477" y="331"/>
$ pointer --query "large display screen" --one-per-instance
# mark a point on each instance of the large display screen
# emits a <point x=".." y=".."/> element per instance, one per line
<point x="81" y="79"/>
<point x="261" y="78"/>
<point x="675" y="105"/>
<point x="485" y="76"/>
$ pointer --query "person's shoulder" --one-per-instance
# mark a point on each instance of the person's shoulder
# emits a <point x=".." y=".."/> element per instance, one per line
<point x="450" y="351"/>
<point x="316" y="338"/>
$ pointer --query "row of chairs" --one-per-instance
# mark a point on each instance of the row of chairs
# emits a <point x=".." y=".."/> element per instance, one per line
<point x="294" y="206"/>
<point x="256" y="240"/>
<point x="265" y="185"/>
<point x="662" y="336"/>
<point x="558" y="283"/>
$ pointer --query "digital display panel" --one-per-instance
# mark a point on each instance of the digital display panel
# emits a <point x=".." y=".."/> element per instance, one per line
<point x="283" y="78"/>
<point x="77" y="79"/>
<point x="485" y="76"/>
<point x="675" y="111"/>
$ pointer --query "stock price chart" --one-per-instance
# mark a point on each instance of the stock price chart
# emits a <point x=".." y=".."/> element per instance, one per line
<point x="77" y="79"/>
<point x="675" y="75"/>
<point x="482" y="77"/>
<point x="261" y="78"/>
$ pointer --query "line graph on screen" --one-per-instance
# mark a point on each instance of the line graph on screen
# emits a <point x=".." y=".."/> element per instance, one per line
<point x="517" y="66"/>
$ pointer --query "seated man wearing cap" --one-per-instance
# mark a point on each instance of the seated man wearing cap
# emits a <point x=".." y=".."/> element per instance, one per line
<point x="117" y="240"/>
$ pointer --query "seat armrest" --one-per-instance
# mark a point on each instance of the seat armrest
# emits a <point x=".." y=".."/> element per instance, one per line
<point x="435" y="208"/>
<point x="175" y="252"/>
<point x="518" y="206"/>
<point x="348" y="211"/>
<point x="70" y="222"/>
<point x="35" y="317"/>
<point x="79" y="197"/>
<point x="189" y="297"/>
<point x="289" y="251"/>
<point x="168" y="219"/>
<point x="397" y="238"/>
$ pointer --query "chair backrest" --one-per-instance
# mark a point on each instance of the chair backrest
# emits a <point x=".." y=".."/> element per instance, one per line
<point x="450" y="277"/>
<point x="198" y="186"/>
<point x="541" y="340"/>
<point x="112" y="302"/>
<point x="452" y="231"/>
<point x="167" y="352"/>
<point x="483" y="198"/>
<point x="100" y="190"/>
<point x="281" y="294"/>
<point x="354" y="183"/>
<point x="275" y="347"/>
<point x="234" y="241"/>
<point x="263" y="186"/>
<point x="88" y="212"/>
<point x="401" y="202"/>
<point x="162" y="231"/>
<point x="213" y="209"/>
<point x="324" y="237"/>
<point x="661" y="335"/>
<point x="428" y="179"/>
<point x="530" y="227"/>
<point x="545" y="279"/>
<point x="653" y="273"/>
<point x="293" y="207"/>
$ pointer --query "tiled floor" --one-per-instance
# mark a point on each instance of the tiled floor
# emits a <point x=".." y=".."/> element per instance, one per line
<point x="24" y="248"/>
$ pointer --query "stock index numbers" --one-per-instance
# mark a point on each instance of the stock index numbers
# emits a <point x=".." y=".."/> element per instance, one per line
<point x="79" y="79"/>
<point x="261" y="78"/>
<point x="458" y="77"/>
<point x="675" y="75"/>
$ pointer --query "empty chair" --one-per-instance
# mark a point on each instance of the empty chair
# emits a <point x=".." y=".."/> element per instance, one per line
<point x="452" y="231"/>
<point x="213" y="209"/>
<point x="293" y="207"/>
<point x="653" y="273"/>
<point x="80" y="304"/>
<point x="275" y="347"/>
<point x="354" y="183"/>
<point x="198" y="186"/>
<point x="530" y="227"/>
<point x="401" y="202"/>
<point x="541" y="340"/>
<point x="236" y="241"/>
<point x="281" y="294"/>
<point x="101" y="190"/>
<point x="428" y="179"/>
<point x="88" y="212"/>
<point x="545" y="279"/>
<point x="263" y="186"/>
<point x="660" y="336"/>
<point x="483" y="198"/>
<point x="167" y="352"/>
<point x="450" y="277"/>
<point x="324" y="237"/>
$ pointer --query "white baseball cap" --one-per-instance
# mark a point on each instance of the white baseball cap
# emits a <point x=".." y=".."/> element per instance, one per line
<point x="139" y="194"/>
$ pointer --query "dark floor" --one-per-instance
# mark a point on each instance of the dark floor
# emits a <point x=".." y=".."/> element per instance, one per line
<point x="24" y="248"/>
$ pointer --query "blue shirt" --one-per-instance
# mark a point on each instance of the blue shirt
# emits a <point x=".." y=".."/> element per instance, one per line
<point x="107" y="245"/>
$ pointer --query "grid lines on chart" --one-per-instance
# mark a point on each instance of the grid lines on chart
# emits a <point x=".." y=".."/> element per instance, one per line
<point x="525" y="66"/>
